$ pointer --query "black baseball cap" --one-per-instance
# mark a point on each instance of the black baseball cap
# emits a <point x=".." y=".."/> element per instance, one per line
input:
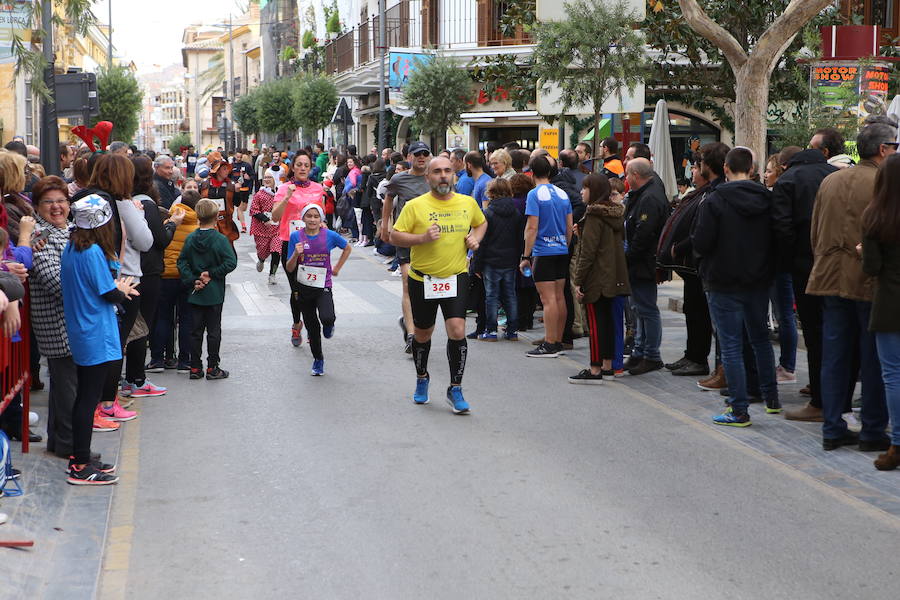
<point x="419" y="147"/>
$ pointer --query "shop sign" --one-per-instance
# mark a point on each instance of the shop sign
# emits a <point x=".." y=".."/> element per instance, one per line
<point x="550" y="141"/>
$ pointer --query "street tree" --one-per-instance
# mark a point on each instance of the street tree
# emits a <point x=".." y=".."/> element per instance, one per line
<point x="245" y="112"/>
<point x="314" y="102"/>
<point x="179" y="140"/>
<point x="752" y="66"/>
<point x="275" y="108"/>
<point x="437" y="93"/>
<point x="120" y="98"/>
<point x="590" y="56"/>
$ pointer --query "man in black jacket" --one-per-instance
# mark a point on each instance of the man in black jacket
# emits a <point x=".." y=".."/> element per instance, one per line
<point x="162" y="179"/>
<point x="646" y="210"/>
<point x="734" y="239"/>
<point x="792" y="205"/>
<point x="677" y="252"/>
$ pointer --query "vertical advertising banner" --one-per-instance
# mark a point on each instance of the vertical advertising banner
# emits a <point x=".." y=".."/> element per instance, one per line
<point x="14" y="23"/>
<point x="873" y="90"/>
<point x="401" y="66"/>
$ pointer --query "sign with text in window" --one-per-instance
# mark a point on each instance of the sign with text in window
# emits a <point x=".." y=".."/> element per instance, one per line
<point x="550" y="141"/>
<point x="14" y="23"/>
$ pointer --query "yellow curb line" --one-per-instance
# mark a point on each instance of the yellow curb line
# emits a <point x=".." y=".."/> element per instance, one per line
<point x="117" y="555"/>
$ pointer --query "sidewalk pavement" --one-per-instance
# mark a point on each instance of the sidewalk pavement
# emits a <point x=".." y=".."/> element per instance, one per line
<point x="68" y="524"/>
<point x="793" y="444"/>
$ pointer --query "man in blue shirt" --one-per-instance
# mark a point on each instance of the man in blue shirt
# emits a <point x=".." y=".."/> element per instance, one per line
<point x="547" y="237"/>
<point x="464" y="184"/>
<point x="475" y="167"/>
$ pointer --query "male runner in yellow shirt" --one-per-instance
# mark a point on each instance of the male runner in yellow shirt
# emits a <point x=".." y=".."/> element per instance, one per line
<point x="439" y="227"/>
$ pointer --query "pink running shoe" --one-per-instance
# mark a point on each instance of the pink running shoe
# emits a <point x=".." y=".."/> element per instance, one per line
<point x="147" y="390"/>
<point x="116" y="412"/>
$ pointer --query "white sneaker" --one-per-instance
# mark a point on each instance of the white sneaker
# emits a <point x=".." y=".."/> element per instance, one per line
<point x="783" y="376"/>
<point x="397" y="273"/>
<point x="3" y="518"/>
<point x="259" y="266"/>
<point x="272" y="280"/>
<point x="853" y="423"/>
<point x="33" y="418"/>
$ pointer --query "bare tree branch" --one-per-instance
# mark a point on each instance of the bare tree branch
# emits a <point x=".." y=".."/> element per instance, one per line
<point x="774" y="40"/>
<point x="715" y="33"/>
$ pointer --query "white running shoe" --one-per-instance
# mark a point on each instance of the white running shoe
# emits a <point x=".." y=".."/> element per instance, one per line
<point x="272" y="280"/>
<point x="397" y="273"/>
<point x="259" y="266"/>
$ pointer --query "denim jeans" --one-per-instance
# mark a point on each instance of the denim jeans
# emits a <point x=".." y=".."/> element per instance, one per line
<point x="845" y="325"/>
<point x="888" y="344"/>
<point x="648" y="334"/>
<point x="172" y="293"/>
<point x="735" y="313"/>
<point x="500" y="286"/>
<point x="783" y="297"/>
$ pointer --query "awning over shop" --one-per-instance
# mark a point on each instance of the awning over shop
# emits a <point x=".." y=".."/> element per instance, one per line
<point x="605" y="130"/>
<point x="342" y="113"/>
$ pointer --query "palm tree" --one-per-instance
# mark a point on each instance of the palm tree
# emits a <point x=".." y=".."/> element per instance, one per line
<point x="213" y="76"/>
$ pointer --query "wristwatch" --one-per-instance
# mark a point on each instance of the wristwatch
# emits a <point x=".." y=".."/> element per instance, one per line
<point x="528" y="258"/>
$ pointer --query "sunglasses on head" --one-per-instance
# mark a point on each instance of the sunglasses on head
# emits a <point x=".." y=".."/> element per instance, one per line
<point x="894" y="145"/>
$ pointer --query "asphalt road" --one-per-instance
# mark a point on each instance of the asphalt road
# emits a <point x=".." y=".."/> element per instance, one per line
<point x="275" y="484"/>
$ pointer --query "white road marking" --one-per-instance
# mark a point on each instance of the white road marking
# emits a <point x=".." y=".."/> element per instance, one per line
<point x="257" y="299"/>
<point x="346" y="302"/>
<point x="394" y="286"/>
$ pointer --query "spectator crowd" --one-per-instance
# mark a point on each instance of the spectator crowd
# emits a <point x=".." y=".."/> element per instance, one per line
<point x="124" y="261"/>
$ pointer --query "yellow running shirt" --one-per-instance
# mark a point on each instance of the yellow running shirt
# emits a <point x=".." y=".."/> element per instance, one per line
<point x="446" y="256"/>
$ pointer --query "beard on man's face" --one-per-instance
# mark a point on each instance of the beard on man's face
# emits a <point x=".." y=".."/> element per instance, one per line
<point x="442" y="189"/>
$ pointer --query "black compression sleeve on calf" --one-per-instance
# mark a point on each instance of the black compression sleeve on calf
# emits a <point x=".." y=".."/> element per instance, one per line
<point x="456" y="354"/>
<point x="420" y="352"/>
<point x="273" y="264"/>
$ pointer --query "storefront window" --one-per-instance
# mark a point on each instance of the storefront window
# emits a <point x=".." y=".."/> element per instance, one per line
<point x="682" y="128"/>
<point x="526" y="137"/>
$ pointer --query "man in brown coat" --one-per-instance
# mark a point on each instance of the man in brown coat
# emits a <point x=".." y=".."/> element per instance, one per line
<point x="835" y="233"/>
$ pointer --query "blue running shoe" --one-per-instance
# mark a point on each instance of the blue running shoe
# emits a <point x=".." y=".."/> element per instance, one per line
<point x="318" y="368"/>
<point x="328" y="331"/>
<point x="421" y="394"/>
<point x="488" y="336"/>
<point x="456" y="400"/>
<point x="732" y="419"/>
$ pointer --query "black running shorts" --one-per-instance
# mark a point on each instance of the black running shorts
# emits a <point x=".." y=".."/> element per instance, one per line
<point x="425" y="311"/>
<point x="403" y="255"/>
<point x="551" y="268"/>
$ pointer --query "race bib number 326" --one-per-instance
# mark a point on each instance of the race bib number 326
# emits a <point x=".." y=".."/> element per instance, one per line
<point x="436" y="289"/>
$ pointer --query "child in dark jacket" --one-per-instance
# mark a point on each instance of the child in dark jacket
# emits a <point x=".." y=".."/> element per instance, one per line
<point x="497" y="259"/>
<point x="204" y="262"/>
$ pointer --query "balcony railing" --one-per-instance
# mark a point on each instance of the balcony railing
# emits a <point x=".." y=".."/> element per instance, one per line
<point x="445" y="24"/>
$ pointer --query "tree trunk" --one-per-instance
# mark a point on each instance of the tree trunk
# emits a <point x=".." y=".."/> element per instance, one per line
<point x="596" y="139"/>
<point x="750" y="122"/>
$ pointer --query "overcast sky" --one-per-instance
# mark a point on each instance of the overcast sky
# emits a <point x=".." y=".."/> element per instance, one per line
<point x="149" y="33"/>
